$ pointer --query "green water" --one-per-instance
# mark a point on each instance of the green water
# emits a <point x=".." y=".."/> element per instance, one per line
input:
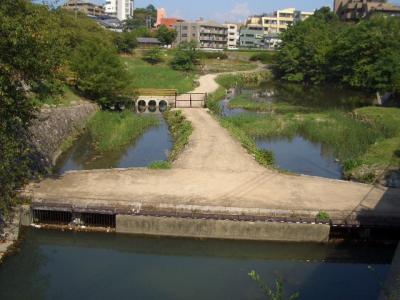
<point x="66" y="265"/>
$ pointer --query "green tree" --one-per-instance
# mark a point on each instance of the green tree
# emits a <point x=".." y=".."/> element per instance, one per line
<point x="153" y="56"/>
<point x="165" y="35"/>
<point x="187" y="57"/>
<point x="306" y="48"/>
<point x="31" y="56"/>
<point x="142" y="17"/>
<point x="125" y="42"/>
<point x="100" y="73"/>
<point x="367" y="55"/>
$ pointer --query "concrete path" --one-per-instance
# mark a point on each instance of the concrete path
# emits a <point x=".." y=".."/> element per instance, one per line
<point x="215" y="174"/>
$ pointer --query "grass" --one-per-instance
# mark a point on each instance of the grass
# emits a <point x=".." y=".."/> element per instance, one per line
<point x="111" y="130"/>
<point x="181" y="130"/>
<point x="160" y="165"/>
<point x="228" y="65"/>
<point x="160" y="76"/>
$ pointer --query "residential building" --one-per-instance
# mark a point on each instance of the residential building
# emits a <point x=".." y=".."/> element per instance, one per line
<point x="252" y="36"/>
<point x="161" y="14"/>
<point x="169" y="22"/>
<point x="233" y="35"/>
<point x="352" y="10"/>
<point x="121" y="9"/>
<point x="85" y="7"/>
<point x="110" y="23"/>
<point x="279" y="20"/>
<point x="209" y="35"/>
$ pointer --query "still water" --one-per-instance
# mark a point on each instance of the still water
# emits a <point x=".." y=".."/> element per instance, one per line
<point x="154" y="145"/>
<point x="66" y="265"/>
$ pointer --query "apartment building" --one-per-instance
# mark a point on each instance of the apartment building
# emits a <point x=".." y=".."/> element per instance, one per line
<point x="85" y="7"/>
<point x="252" y="36"/>
<point x="233" y="35"/>
<point x="279" y="20"/>
<point x="209" y="35"/>
<point x="352" y="10"/>
<point x="121" y="9"/>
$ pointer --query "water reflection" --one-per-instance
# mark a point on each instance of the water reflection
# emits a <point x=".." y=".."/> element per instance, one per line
<point x="65" y="265"/>
<point x="154" y="145"/>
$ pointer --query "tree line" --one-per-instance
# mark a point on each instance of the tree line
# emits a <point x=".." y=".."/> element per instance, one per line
<point x="322" y="49"/>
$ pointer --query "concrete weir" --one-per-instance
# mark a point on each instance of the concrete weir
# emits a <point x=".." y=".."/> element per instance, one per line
<point x="222" y="229"/>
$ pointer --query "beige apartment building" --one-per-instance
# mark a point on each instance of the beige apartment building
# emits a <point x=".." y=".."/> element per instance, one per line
<point x="209" y="34"/>
<point x="279" y="20"/>
<point x="85" y="7"/>
<point x="352" y="10"/>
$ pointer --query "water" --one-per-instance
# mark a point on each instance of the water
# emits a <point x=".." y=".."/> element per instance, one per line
<point x="299" y="155"/>
<point x="154" y="145"/>
<point x="65" y="265"/>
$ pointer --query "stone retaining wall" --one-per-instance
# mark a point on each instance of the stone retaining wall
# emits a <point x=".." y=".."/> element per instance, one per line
<point x="53" y="126"/>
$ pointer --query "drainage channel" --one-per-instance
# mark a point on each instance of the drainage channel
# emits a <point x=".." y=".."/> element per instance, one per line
<point x="73" y="219"/>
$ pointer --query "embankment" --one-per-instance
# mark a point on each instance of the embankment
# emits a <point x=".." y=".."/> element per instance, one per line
<point x="53" y="126"/>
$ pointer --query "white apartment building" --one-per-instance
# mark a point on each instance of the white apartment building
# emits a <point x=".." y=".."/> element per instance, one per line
<point x="233" y="35"/>
<point x="279" y="20"/>
<point x="121" y="9"/>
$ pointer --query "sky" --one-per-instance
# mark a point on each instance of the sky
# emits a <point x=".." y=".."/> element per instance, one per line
<point x="229" y="10"/>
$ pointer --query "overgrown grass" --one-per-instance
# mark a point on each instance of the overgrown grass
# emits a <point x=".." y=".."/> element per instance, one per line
<point x="265" y="57"/>
<point x="160" y="76"/>
<point x="67" y="98"/>
<point x="111" y="130"/>
<point x="263" y="157"/>
<point x="181" y="130"/>
<point x="242" y="79"/>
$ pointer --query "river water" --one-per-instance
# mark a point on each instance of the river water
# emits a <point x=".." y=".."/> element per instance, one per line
<point x="154" y="145"/>
<point x="298" y="154"/>
<point x="66" y="265"/>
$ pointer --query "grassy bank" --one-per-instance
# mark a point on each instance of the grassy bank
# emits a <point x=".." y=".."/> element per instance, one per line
<point x="111" y="131"/>
<point x="160" y="76"/>
<point x="365" y="141"/>
<point x="227" y="65"/>
<point x="181" y="130"/>
<point x="243" y="79"/>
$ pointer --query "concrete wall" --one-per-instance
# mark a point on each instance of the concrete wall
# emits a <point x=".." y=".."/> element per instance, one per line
<point x="53" y="126"/>
<point x="219" y="229"/>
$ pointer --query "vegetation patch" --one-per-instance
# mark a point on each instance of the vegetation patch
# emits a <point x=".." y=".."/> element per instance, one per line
<point x="160" y="76"/>
<point x="112" y="130"/>
<point x="266" y="57"/>
<point x="181" y="130"/>
<point x="227" y="65"/>
<point x="364" y="141"/>
<point x="242" y="79"/>
<point x="160" y="165"/>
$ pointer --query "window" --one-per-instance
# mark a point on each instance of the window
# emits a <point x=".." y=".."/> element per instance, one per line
<point x="184" y="34"/>
<point x="250" y="35"/>
<point x="184" y="28"/>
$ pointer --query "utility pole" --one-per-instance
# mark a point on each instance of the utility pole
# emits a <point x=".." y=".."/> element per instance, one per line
<point x="76" y="10"/>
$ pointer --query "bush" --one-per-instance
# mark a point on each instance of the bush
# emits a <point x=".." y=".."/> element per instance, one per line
<point x="153" y="56"/>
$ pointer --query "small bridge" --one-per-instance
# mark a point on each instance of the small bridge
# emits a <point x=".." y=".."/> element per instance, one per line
<point x="159" y="100"/>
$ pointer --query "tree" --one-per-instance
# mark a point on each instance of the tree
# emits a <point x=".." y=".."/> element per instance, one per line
<point x="187" y="57"/>
<point x="142" y="17"/>
<point x="125" y="42"/>
<point x="153" y="56"/>
<point x="100" y="73"/>
<point x="165" y="35"/>
<point x="31" y="56"/>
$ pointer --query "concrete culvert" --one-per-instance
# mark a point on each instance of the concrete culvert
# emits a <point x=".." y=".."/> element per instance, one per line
<point x="163" y="106"/>
<point x="141" y="106"/>
<point x="152" y="106"/>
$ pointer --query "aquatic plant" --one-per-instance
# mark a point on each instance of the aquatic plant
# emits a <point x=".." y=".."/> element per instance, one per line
<point x="160" y="165"/>
<point x="276" y="293"/>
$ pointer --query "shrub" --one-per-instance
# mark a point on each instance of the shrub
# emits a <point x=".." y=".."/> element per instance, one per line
<point x="213" y="55"/>
<point x="125" y="42"/>
<point x="160" y="165"/>
<point x="266" y="57"/>
<point x="153" y="56"/>
<point x="323" y="216"/>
